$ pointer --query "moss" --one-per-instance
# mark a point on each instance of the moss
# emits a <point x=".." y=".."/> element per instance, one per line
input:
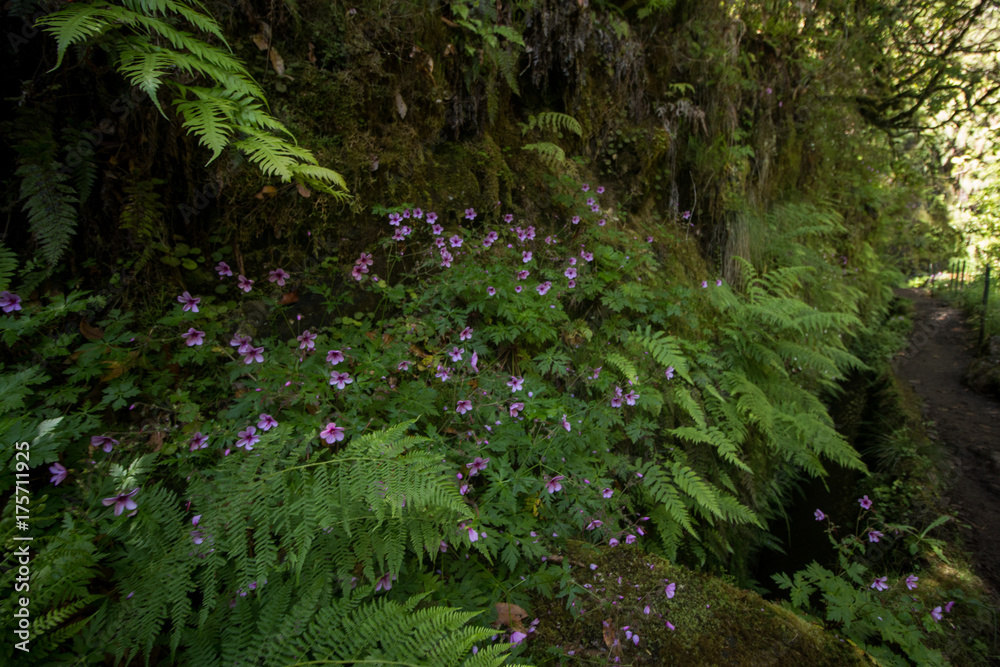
<point x="715" y="623"/>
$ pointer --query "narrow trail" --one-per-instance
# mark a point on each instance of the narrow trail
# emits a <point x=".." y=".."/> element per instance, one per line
<point x="941" y="348"/>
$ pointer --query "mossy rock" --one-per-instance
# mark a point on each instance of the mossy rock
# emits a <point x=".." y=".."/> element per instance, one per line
<point x="713" y="622"/>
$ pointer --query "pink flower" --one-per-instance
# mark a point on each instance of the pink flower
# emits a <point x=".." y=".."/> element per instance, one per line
<point x="515" y="383"/>
<point x="248" y="438"/>
<point x="463" y="406"/>
<point x="587" y="256"/>
<point x="189" y="302"/>
<point x="874" y="535"/>
<point x="477" y="465"/>
<point x="473" y="361"/>
<point x="911" y="581"/>
<point x="607" y="493"/>
<point x="526" y="256"/>
<point x="473" y="535"/>
<point x="613" y="542"/>
<point x="947" y="607"/>
<point x="442" y="373"/>
<point x="244" y="283"/>
<point x="880" y="584"/>
<point x="631" y="398"/>
<point x="341" y="380"/>
<point x="395" y="219"/>
<point x="306" y="340"/>
<point x="515" y="408"/>
<point x="553" y="484"/>
<point x="600" y="189"/>
<point x="456" y="241"/>
<point x="819" y="515"/>
<point x="358" y="272"/>
<point x="629" y="539"/>
<point x="403" y="366"/>
<point x="437" y="229"/>
<point x="122" y="501"/>
<point x="456" y="353"/>
<point x="576" y="220"/>
<point x="255" y="354"/>
<point x="103" y="442"/>
<point x="669" y="372"/>
<point x="566" y="425"/>
<point x="193" y="337"/>
<point x="223" y="269"/>
<point x="384" y="582"/>
<point x="517" y="637"/>
<point x="491" y="291"/>
<point x="718" y="282"/>
<point x="466" y="334"/>
<point x="470" y="214"/>
<point x="543" y="288"/>
<point x="279" y="276"/>
<point x="936" y="614"/>
<point x="364" y="259"/>
<point x="59" y="473"/>
<point x="670" y="590"/>
<point x="522" y="275"/>
<point x="570" y="273"/>
<point x="334" y="357"/>
<point x="865" y="503"/>
<point x="594" y="523"/>
<point x="586" y="186"/>
<point x="332" y="433"/>
<point x="266" y="422"/>
<point x="490" y="239"/>
<point x="704" y="284"/>
<point x="199" y="441"/>
<point x="517" y="289"/>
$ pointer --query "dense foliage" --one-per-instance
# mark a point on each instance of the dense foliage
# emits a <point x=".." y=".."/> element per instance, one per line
<point x="601" y="275"/>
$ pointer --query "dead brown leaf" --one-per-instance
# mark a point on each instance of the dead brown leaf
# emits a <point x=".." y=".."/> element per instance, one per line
<point x="289" y="298"/>
<point x="267" y="190"/>
<point x="89" y="332"/>
<point x="609" y="633"/>
<point x="277" y="62"/>
<point x="400" y="105"/>
<point x="303" y="190"/>
<point x="511" y="615"/>
<point x="155" y="442"/>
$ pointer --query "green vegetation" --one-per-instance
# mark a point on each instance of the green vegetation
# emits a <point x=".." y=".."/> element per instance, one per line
<point x="538" y="389"/>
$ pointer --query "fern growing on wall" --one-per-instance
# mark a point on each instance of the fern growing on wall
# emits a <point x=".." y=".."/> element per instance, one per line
<point x="553" y="122"/>
<point x="228" y="111"/>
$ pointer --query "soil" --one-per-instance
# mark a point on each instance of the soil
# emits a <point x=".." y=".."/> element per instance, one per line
<point x="967" y="423"/>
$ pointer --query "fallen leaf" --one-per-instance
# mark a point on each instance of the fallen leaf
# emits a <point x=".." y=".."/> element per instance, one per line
<point x="89" y="332"/>
<point x="277" y="62"/>
<point x="400" y="105"/>
<point x="609" y="633"/>
<point x="303" y="190"/>
<point x="312" y="54"/>
<point x="510" y="615"/>
<point x="289" y="298"/>
<point x="268" y="190"/>
<point x="115" y="369"/>
<point x="450" y="24"/>
<point x="155" y="441"/>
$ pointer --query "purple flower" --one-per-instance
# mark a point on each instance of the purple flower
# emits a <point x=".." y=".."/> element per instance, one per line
<point x="456" y="241"/>
<point x="600" y="189"/>
<point x="59" y="473"/>
<point x="686" y="215"/>
<point x="607" y="493"/>
<point x="189" y="302"/>
<point x="874" y="535"/>
<point x="195" y="519"/>
<point x="911" y="581"/>
<point x="865" y="503"/>
<point x="122" y="501"/>
<point x="446" y="258"/>
<point x="670" y="372"/>
<point x="543" y="288"/>
<point x="526" y="256"/>
<point x="384" y="583"/>
<point x="432" y="217"/>
<point x="464" y="489"/>
<point x="473" y="535"/>
<point x="365" y="259"/>
<point x="248" y="438"/>
<point x="631" y="397"/>
<point x="473" y="361"/>
<point x="477" y="465"/>
<point x="267" y="422"/>
<point x="341" y="380"/>
<point x="394" y="220"/>
<point x="718" y="282"/>
<point x="332" y="433"/>
<point x="491" y="291"/>
<point x="279" y="276"/>
<point x="199" y="441"/>
<point x="470" y="214"/>
<point x="243" y="343"/>
<point x="517" y="637"/>
<point x="819" y="515"/>
<point x="594" y="523"/>
<point x="306" y="340"/>
<point x="254" y="354"/>
<point x="442" y="373"/>
<point x="670" y="590"/>
<point x="566" y="425"/>
<point x="103" y="442"/>
<point x="586" y="186"/>
<point x="463" y="406"/>
<point x="193" y="337"/>
<point x="9" y="301"/>
<point x="521" y="275"/>
<point x="553" y="484"/>
<point x="515" y="408"/>
<point x="334" y="357"/>
<point x="947" y="607"/>
<point x="223" y="269"/>
<point x="587" y="256"/>
<point x="613" y="542"/>
<point x="576" y="220"/>
<point x="437" y="229"/>
<point x="880" y="584"/>
<point x="704" y="284"/>
<point x="616" y="400"/>
<point x="490" y="239"/>
<point x="197" y="536"/>
<point x="403" y="365"/>
<point x="358" y="272"/>
<point x="570" y="273"/>
<point x="456" y="353"/>
<point x="244" y="283"/>
<point x="936" y="614"/>
<point x="515" y="383"/>
<point x="629" y="539"/>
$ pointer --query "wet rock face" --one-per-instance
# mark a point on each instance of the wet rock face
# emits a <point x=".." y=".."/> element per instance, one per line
<point x="984" y="373"/>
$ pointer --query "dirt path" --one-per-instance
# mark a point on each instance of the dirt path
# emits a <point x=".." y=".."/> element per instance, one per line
<point x="968" y="423"/>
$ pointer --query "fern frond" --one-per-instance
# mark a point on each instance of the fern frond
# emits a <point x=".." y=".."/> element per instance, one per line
<point x="50" y="204"/>
<point x="8" y="265"/>
<point x="549" y="152"/>
<point x="553" y="121"/>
